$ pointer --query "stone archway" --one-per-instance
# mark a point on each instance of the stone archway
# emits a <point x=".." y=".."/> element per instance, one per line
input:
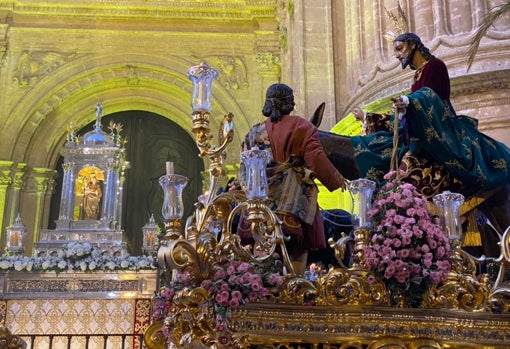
<point x="152" y="140"/>
<point x="69" y="100"/>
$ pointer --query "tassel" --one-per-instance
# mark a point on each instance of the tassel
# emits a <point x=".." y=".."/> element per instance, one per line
<point x="472" y="236"/>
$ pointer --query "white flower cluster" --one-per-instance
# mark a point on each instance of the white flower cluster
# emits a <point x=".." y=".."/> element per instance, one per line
<point x="77" y="256"/>
<point x="78" y="250"/>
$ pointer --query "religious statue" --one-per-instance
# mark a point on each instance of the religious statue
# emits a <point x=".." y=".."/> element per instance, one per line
<point x="91" y="197"/>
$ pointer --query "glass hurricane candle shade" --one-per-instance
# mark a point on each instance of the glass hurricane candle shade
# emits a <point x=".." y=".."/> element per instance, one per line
<point x="173" y="185"/>
<point x="449" y="205"/>
<point x="202" y="77"/>
<point x="362" y="190"/>
<point x="255" y="162"/>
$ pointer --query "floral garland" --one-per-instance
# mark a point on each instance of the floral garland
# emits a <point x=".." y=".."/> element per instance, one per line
<point x="76" y="256"/>
<point x="233" y="284"/>
<point x="408" y="249"/>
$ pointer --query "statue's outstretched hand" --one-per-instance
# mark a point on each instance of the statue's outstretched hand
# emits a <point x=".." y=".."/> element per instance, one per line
<point x="358" y="113"/>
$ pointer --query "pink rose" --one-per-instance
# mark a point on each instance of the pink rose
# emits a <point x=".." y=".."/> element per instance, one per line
<point x="220" y="274"/>
<point x="236" y="294"/>
<point x="243" y="267"/>
<point x="234" y="302"/>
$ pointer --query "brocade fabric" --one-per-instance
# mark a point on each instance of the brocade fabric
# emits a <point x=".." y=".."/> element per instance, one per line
<point x="445" y="151"/>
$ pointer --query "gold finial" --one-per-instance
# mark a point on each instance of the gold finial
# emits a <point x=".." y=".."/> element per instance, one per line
<point x="398" y="22"/>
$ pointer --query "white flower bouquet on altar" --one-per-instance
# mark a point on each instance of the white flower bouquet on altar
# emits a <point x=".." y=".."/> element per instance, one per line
<point x="77" y="256"/>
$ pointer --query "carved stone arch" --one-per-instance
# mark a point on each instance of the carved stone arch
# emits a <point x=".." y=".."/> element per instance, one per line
<point x="469" y="97"/>
<point x="128" y="82"/>
<point x="122" y="84"/>
<point x="80" y="112"/>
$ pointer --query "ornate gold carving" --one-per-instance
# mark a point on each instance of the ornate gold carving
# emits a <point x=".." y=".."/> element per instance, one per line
<point x="154" y="337"/>
<point x="367" y="327"/>
<point x="10" y="341"/>
<point x="462" y="290"/>
<point x="216" y="154"/>
<point x="500" y="293"/>
<point x="353" y="324"/>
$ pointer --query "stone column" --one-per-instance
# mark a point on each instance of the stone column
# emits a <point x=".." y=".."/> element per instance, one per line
<point x="39" y="186"/>
<point x="5" y="182"/>
<point x="18" y="183"/>
<point x="311" y="59"/>
<point x="268" y="58"/>
<point x="68" y="193"/>
<point x="110" y="195"/>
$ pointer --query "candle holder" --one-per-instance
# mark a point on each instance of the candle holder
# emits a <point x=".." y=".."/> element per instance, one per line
<point x="464" y="288"/>
<point x="356" y="288"/>
<point x="173" y="207"/>
<point x="254" y="182"/>
<point x="265" y="225"/>
<point x="449" y="205"/>
<point x="255" y="162"/>
<point x="362" y="189"/>
<point x="202" y="77"/>
<point x="16" y="234"/>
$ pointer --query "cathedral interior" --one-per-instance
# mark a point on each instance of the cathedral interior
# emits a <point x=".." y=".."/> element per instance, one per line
<point x="60" y="59"/>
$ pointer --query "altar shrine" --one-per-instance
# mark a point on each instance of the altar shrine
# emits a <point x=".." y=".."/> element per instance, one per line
<point x="91" y="202"/>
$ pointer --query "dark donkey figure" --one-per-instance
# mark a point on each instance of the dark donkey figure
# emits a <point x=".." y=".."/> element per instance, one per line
<point x="495" y="205"/>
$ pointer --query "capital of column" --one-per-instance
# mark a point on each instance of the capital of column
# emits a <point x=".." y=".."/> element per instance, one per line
<point x="68" y="166"/>
<point x="18" y="175"/>
<point x="43" y="179"/>
<point x="5" y="172"/>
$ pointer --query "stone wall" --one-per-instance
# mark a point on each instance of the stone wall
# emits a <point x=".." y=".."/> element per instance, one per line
<point x="367" y="72"/>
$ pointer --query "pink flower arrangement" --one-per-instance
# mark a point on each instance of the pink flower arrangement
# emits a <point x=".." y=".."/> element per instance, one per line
<point x="236" y="283"/>
<point x="408" y="249"/>
<point x="232" y="284"/>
